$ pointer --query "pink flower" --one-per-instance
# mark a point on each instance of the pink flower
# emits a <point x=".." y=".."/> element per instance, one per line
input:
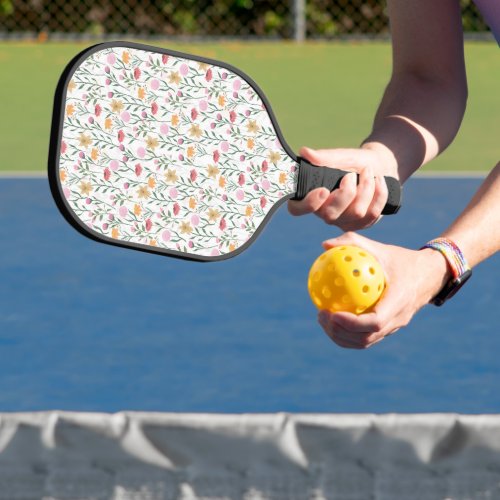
<point x="107" y="174"/>
<point x="97" y="110"/>
<point x="193" y="174"/>
<point x="141" y="152"/>
<point x="215" y="252"/>
<point x="165" y="236"/>
<point x="113" y="165"/>
<point x="173" y="192"/>
<point x="194" y="114"/>
<point x="184" y="69"/>
<point x="155" y="84"/>
<point x="241" y="179"/>
<point x="137" y="73"/>
<point x="232" y="116"/>
<point x="240" y="194"/>
<point x="216" y="156"/>
<point x="154" y="108"/>
<point x="138" y="169"/>
<point x="125" y="116"/>
<point x="203" y="105"/>
<point x="237" y="85"/>
<point x="263" y="201"/>
<point x="123" y="211"/>
<point x="177" y="208"/>
<point x="164" y="128"/>
<point x="164" y="58"/>
<point x="195" y="220"/>
<point x="264" y="166"/>
<point x="63" y="147"/>
<point x="121" y="135"/>
<point x="208" y="75"/>
<point x="266" y="184"/>
<point x="149" y="224"/>
<point x="224" y="146"/>
<point x="111" y="58"/>
<point x="222" y="224"/>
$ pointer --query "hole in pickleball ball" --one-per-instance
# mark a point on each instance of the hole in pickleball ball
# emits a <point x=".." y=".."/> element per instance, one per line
<point x="362" y="254"/>
<point x="330" y="268"/>
<point x="317" y="276"/>
<point x="327" y="293"/>
<point x="339" y="281"/>
<point x="346" y="299"/>
<point x="348" y="258"/>
<point x="317" y="300"/>
<point x="366" y="289"/>
<point x="356" y="273"/>
<point x="360" y="309"/>
<point x="372" y="270"/>
<point x="379" y="287"/>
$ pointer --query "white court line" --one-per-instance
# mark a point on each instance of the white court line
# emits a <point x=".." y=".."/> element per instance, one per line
<point x="454" y="174"/>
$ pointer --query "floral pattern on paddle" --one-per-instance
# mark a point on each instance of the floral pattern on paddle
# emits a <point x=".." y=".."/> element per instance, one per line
<point x="164" y="151"/>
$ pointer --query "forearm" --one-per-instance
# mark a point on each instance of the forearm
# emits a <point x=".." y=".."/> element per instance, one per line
<point x="416" y="120"/>
<point x="477" y="230"/>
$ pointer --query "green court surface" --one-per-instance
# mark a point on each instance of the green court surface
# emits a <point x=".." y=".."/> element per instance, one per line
<point x="323" y="94"/>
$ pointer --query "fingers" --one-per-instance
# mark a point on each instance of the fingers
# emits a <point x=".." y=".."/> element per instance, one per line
<point x="310" y="204"/>
<point x="355" y="332"/>
<point x="355" y="204"/>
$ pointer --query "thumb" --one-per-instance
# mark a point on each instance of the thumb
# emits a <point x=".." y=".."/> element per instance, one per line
<point x="338" y="158"/>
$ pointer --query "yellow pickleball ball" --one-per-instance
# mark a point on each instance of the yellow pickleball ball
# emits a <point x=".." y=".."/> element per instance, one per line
<point x="346" y="278"/>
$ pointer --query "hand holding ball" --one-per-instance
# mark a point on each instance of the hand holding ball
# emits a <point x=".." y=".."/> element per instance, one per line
<point x="346" y="278"/>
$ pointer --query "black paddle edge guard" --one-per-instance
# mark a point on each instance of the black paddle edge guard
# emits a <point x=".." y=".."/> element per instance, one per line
<point x="312" y="177"/>
<point x="56" y="138"/>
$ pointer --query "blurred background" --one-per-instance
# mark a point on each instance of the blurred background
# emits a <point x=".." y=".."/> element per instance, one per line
<point x="282" y="19"/>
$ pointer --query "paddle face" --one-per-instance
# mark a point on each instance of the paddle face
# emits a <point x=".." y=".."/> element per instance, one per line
<point x="165" y="152"/>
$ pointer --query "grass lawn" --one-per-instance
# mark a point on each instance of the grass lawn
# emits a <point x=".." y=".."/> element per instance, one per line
<point x="323" y="94"/>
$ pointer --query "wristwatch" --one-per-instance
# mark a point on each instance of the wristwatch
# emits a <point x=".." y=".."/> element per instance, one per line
<point x="460" y="270"/>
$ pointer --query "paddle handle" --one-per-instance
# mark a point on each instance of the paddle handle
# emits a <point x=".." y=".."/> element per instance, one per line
<point x="311" y="177"/>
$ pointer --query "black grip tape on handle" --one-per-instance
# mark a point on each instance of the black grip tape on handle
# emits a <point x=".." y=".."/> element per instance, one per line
<point x="312" y="177"/>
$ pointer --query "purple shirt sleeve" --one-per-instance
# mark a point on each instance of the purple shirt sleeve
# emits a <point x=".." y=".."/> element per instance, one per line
<point x="490" y="9"/>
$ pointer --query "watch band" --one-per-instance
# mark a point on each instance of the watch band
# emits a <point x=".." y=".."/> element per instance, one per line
<point x="458" y="265"/>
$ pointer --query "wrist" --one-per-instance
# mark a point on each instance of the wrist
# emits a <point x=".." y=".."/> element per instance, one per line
<point x="437" y="272"/>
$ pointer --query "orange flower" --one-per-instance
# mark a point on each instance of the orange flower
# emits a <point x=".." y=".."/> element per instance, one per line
<point x="151" y="182"/>
<point x="141" y="93"/>
<point x="137" y="209"/>
<point x="250" y="143"/>
<point x="192" y="203"/>
<point x="114" y="232"/>
<point x="249" y="211"/>
<point x="70" y="109"/>
<point x="222" y="182"/>
<point x="232" y="246"/>
<point x="94" y="154"/>
<point x="126" y="57"/>
<point x="222" y="101"/>
<point x="62" y="175"/>
<point x="175" y="120"/>
<point x="108" y="123"/>
<point x="152" y="243"/>
<point x="282" y="178"/>
<point x="190" y="151"/>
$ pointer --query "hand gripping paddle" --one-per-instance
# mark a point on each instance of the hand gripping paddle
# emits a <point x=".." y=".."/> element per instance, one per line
<point x="170" y="153"/>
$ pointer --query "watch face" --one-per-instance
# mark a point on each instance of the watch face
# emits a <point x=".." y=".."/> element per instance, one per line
<point x="451" y="288"/>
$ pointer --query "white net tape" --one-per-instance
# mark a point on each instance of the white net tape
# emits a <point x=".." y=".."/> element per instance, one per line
<point x="160" y="456"/>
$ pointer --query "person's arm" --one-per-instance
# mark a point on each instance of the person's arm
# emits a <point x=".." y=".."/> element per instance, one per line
<point x="414" y="277"/>
<point x="419" y="114"/>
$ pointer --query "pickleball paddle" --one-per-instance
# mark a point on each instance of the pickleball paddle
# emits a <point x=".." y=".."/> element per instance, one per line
<point x="171" y="153"/>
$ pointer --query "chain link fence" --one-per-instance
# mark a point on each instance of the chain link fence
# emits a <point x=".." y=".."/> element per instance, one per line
<point x="286" y="19"/>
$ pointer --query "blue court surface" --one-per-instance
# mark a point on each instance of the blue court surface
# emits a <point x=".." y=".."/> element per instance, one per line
<point x="91" y="327"/>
